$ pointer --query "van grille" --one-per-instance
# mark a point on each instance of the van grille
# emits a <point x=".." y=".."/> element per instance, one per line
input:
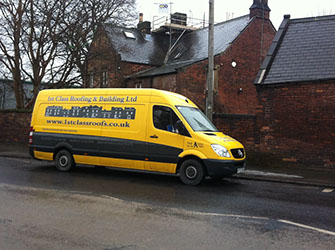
<point x="238" y="153"/>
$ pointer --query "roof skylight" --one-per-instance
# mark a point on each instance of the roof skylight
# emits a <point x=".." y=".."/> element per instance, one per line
<point x="177" y="56"/>
<point x="129" y="34"/>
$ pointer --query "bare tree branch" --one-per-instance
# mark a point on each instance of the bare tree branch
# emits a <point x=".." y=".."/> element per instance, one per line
<point x="47" y="41"/>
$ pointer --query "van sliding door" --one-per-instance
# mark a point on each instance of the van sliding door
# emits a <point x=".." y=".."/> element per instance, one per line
<point x="122" y="142"/>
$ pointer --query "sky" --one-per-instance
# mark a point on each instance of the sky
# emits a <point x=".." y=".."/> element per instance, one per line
<point x="236" y="8"/>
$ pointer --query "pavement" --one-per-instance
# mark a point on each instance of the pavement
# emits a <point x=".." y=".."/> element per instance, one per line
<point x="322" y="177"/>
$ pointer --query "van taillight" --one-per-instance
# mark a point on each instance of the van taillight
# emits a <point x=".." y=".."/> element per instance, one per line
<point x="31" y="135"/>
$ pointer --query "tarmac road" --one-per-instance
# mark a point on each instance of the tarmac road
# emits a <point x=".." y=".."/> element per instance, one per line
<point x="108" y="209"/>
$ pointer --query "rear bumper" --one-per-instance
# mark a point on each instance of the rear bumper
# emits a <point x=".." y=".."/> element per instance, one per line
<point x="31" y="152"/>
<point x="220" y="168"/>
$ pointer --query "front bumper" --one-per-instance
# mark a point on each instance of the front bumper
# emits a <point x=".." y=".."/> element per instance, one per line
<point x="221" y="168"/>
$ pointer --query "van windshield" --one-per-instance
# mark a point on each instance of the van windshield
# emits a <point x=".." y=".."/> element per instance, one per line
<point x="196" y="119"/>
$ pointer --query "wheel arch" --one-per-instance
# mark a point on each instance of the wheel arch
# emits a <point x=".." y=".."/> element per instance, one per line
<point x="62" y="146"/>
<point x="191" y="156"/>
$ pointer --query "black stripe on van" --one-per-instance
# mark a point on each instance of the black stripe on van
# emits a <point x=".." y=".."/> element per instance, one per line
<point x="106" y="147"/>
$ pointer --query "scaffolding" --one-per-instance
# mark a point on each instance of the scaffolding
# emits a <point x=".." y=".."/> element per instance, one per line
<point x="177" y="21"/>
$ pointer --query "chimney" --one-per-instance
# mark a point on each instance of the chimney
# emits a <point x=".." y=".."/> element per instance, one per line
<point x="260" y="9"/>
<point x="179" y="18"/>
<point x="144" y="27"/>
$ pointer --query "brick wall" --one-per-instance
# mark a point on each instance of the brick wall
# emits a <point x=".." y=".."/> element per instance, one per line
<point x="14" y="126"/>
<point x="129" y="68"/>
<point x="237" y="93"/>
<point x="103" y="58"/>
<point x="298" y="123"/>
<point x="165" y="82"/>
<point x="192" y="83"/>
<point x="295" y="124"/>
<point x="247" y="51"/>
<point x="240" y="127"/>
<point x="139" y="83"/>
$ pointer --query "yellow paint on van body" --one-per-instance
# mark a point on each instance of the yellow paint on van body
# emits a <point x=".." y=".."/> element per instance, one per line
<point x="43" y="155"/>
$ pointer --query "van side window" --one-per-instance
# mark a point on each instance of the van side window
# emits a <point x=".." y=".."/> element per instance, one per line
<point x="165" y="118"/>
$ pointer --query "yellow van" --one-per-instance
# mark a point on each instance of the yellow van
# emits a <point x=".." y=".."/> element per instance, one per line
<point x="138" y="129"/>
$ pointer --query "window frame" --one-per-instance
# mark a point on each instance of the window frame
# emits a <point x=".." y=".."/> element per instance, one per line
<point x="153" y="120"/>
<point x="91" y="80"/>
<point x="196" y="108"/>
<point x="104" y="79"/>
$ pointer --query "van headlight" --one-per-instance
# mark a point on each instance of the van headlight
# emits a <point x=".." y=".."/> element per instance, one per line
<point x="220" y="150"/>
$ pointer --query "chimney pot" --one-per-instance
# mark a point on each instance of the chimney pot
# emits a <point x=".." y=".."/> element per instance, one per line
<point x="140" y="18"/>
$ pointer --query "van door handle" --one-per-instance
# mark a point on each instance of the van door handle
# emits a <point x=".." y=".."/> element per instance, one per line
<point x="153" y="136"/>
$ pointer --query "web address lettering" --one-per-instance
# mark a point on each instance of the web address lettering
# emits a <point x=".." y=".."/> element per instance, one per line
<point x="84" y="123"/>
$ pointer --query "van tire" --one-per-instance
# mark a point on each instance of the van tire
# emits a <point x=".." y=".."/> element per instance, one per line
<point x="64" y="161"/>
<point x="191" y="172"/>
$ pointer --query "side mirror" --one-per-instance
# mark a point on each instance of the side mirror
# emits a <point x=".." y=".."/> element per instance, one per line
<point x="181" y="128"/>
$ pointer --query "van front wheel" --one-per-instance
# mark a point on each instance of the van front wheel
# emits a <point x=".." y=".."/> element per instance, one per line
<point x="191" y="172"/>
<point x="64" y="161"/>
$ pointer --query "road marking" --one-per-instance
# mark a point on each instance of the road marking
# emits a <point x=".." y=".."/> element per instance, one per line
<point x="225" y="215"/>
<point x="262" y="218"/>
<point x="269" y="174"/>
<point x="308" y="227"/>
<point x="295" y="186"/>
<point x="11" y="186"/>
<point x="327" y="190"/>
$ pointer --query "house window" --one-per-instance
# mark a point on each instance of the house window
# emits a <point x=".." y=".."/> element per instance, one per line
<point x="91" y="83"/>
<point x="104" y="79"/>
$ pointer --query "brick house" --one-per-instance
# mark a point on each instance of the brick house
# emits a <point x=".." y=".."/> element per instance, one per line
<point x="139" y="57"/>
<point x="296" y="88"/>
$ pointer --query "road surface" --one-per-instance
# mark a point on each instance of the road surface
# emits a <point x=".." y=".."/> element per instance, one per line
<point x="92" y="208"/>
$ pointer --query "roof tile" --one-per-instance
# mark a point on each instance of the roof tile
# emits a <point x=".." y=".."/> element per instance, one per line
<point x="192" y="47"/>
<point x="306" y="52"/>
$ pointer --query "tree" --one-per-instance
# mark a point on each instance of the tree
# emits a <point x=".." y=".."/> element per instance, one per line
<point x="41" y="44"/>
<point x="47" y="41"/>
<point x="83" y="19"/>
<point x="11" y="29"/>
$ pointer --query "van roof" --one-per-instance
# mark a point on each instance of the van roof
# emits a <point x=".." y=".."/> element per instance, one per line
<point x="170" y="97"/>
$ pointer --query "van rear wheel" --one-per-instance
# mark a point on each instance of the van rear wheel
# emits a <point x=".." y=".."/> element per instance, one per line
<point x="191" y="172"/>
<point x="64" y="161"/>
